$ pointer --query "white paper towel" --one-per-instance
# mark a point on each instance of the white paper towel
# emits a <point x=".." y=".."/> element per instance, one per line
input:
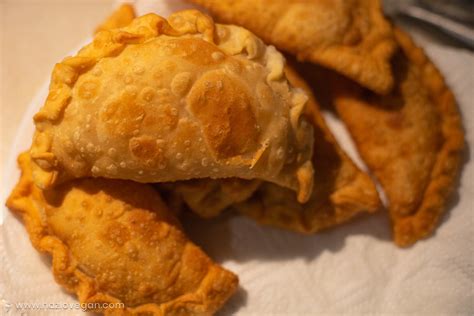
<point x="351" y="270"/>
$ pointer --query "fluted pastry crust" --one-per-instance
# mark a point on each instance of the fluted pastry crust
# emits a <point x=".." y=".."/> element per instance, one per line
<point x="121" y="17"/>
<point x="412" y="140"/>
<point x="114" y="241"/>
<point x="162" y="100"/>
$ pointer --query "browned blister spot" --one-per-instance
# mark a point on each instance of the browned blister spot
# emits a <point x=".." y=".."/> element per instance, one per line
<point x="116" y="234"/>
<point x="147" y="150"/>
<point x="88" y="89"/>
<point x="143" y="147"/>
<point x="147" y="95"/>
<point x="224" y="107"/>
<point x="123" y="116"/>
<point x="145" y="224"/>
<point x="162" y="119"/>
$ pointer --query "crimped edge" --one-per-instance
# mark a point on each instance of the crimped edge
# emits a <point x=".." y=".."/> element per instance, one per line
<point x="366" y="201"/>
<point x="47" y="170"/>
<point x="106" y="43"/>
<point x="121" y="17"/>
<point x="65" y="268"/>
<point x="447" y="166"/>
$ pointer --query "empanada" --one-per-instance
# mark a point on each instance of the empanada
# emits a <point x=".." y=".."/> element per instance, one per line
<point x="121" y="17"/>
<point x="350" y="36"/>
<point x="412" y="139"/>
<point x="160" y="101"/>
<point x="114" y="241"/>
<point x="341" y="191"/>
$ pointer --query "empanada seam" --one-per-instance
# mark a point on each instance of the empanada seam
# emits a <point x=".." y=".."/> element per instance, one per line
<point x="120" y="135"/>
<point x="107" y="43"/>
<point x="68" y="274"/>
<point x="447" y="165"/>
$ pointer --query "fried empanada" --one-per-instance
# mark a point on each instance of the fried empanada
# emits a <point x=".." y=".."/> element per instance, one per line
<point x="350" y="36"/>
<point x="341" y="191"/>
<point x="209" y="197"/>
<point x="412" y="139"/>
<point x="172" y="100"/>
<point x="121" y="17"/>
<point x="115" y="241"/>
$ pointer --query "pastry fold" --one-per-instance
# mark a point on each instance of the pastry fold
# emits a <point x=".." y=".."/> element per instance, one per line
<point x="412" y="139"/>
<point x="342" y="191"/>
<point x="115" y="241"/>
<point x="166" y="100"/>
<point x="210" y="197"/>
<point x="349" y="36"/>
<point x="121" y="17"/>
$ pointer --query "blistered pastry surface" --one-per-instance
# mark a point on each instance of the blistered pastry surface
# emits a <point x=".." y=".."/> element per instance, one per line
<point x="115" y="241"/>
<point x="165" y="100"/>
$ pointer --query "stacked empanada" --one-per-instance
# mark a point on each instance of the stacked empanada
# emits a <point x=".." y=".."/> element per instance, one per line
<point x="216" y="119"/>
<point x="161" y="101"/>
<point x="117" y="246"/>
<point x="156" y="101"/>
<point x="395" y="103"/>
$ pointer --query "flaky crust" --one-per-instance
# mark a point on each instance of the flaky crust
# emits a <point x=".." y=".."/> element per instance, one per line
<point x="412" y="140"/>
<point x="121" y="17"/>
<point x="114" y="241"/>
<point x="160" y="101"/>
<point x="340" y="193"/>
<point x="349" y="36"/>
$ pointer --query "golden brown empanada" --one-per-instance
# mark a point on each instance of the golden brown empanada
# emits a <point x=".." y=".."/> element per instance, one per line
<point x="172" y="100"/>
<point x="341" y="191"/>
<point x="412" y="139"/>
<point x="350" y="36"/>
<point x="114" y="241"/>
<point x="122" y="16"/>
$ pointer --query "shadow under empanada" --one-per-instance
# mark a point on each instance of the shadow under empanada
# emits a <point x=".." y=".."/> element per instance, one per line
<point x="233" y="238"/>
